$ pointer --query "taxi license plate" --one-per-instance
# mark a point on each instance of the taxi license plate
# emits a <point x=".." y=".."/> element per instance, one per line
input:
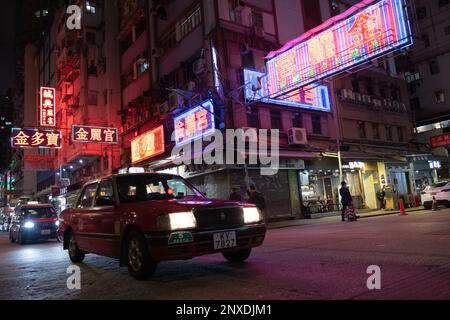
<point x="225" y="240"/>
<point x="46" y="232"/>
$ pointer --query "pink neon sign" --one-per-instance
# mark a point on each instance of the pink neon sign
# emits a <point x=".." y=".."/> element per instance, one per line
<point x="361" y="35"/>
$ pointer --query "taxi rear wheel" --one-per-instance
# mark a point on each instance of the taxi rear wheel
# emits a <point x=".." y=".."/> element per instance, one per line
<point x="140" y="264"/>
<point x="75" y="254"/>
<point x="237" y="256"/>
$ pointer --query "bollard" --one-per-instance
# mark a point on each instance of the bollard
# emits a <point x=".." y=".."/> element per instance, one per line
<point x="402" y="208"/>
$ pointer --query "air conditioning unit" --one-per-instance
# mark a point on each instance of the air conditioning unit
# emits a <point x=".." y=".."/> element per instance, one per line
<point x="347" y="94"/>
<point x="251" y="138"/>
<point x="297" y="136"/>
<point x="358" y="97"/>
<point x="175" y="101"/>
<point x="198" y="67"/>
<point x="367" y="99"/>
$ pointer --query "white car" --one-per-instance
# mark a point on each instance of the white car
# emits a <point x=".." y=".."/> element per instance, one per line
<point x="439" y="191"/>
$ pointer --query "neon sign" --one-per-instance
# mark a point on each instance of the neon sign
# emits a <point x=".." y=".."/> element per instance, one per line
<point x="312" y="97"/>
<point x="440" y="141"/>
<point x="148" y="145"/>
<point x="195" y="123"/>
<point x="36" y="138"/>
<point x="47" y="107"/>
<point x="357" y="37"/>
<point x="95" y="134"/>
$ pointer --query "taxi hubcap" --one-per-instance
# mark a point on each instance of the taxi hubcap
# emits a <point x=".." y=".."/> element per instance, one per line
<point x="135" y="255"/>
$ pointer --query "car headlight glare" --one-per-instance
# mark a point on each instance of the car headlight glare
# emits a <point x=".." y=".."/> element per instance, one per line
<point x="182" y="220"/>
<point x="57" y="223"/>
<point x="252" y="215"/>
<point x="28" y="225"/>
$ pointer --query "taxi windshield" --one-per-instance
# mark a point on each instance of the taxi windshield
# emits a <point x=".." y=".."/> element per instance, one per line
<point x="137" y="188"/>
<point x="39" y="213"/>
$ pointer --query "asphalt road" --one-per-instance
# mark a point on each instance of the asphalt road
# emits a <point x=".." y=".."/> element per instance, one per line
<point x="318" y="261"/>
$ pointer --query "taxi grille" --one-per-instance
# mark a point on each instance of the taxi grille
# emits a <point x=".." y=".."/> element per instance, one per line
<point x="211" y="218"/>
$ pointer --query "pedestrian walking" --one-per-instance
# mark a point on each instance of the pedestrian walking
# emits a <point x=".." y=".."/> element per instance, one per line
<point x="346" y="198"/>
<point x="381" y="195"/>
<point x="257" y="199"/>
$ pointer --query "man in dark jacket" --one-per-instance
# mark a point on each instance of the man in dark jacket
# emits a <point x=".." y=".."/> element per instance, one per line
<point x="257" y="198"/>
<point x="235" y="196"/>
<point x="346" y="198"/>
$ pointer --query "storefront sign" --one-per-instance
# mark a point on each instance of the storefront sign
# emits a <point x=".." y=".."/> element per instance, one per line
<point x="38" y="163"/>
<point x="314" y="97"/>
<point x="87" y="134"/>
<point x="148" y="145"/>
<point x="36" y="138"/>
<point x="195" y="123"/>
<point x="47" y="107"/>
<point x="435" y="164"/>
<point x="441" y="141"/>
<point x="343" y="42"/>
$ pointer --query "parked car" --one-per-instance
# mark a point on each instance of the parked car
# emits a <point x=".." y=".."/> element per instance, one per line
<point x="33" y="223"/>
<point x="143" y="219"/>
<point x="440" y="191"/>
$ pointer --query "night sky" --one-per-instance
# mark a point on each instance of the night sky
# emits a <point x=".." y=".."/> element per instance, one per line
<point x="7" y="29"/>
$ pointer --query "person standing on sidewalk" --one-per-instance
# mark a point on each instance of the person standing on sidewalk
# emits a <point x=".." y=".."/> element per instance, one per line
<point x="346" y="198"/>
<point x="380" y="196"/>
<point x="258" y="200"/>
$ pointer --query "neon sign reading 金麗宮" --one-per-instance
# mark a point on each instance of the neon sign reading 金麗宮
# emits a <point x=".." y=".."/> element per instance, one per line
<point x="312" y="97"/>
<point x="358" y="37"/>
<point x="95" y="134"/>
<point x="195" y="123"/>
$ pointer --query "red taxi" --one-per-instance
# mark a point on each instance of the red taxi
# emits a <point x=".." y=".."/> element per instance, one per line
<point x="142" y="219"/>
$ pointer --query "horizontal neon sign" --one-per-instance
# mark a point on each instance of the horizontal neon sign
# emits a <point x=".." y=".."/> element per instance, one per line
<point x="95" y="134"/>
<point x="312" y="97"/>
<point x="377" y="30"/>
<point x="36" y="138"/>
<point x="195" y="123"/>
<point x="148" y="145"/>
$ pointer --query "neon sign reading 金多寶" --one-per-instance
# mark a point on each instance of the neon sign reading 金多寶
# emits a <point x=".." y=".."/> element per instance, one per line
<point x="314" y="97"/>
<point x="377" y="30"/>
<point x="195" y="123"/>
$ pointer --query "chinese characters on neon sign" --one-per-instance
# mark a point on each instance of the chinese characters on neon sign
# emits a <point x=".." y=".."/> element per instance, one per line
<point x="95" y="134"/>
<point x="195" y="123"/>
<point x="36" y="138"/>
<point x="47" y="108"/>
<point x="312" y="97"/>
<point x="148" y="145"/>
<point x="377" y="30"/>
<point x="440" y="141"/>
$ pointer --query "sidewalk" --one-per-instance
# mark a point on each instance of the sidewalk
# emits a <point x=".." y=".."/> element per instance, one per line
<point x="336" y="217"/>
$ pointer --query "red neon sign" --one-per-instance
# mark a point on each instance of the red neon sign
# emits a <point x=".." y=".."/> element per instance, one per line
<point x="148" y="145"/>
<point x="47" y="107"/>
<point x="360" y="34"/>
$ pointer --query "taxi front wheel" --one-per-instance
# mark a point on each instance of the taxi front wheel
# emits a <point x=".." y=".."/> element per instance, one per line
<point x="75" y="254"/>
<point x="237" y="256"/>
<point x="140" y="264"/>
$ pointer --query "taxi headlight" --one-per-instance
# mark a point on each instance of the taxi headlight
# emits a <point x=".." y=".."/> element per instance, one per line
<point x="182" y="220"/>
<point x="252" y="215"/>
<point x="28" y="225"/>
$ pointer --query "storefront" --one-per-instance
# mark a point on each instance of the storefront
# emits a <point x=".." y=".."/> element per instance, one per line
<point x="65" y="197"/>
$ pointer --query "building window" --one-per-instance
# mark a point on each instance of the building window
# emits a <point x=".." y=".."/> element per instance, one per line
<point x="388" y="133"/>
<point x="253" y="118"/>
<point x="362" y="130"/>
<point x="257" y="20"/>
<point x="297" y="121"/>
<point x="401" y="138"/>
<point x="90" y="7"/>
<point x="142" y="64"/>
<point x="440" y="96"/>
<point x="235" y="13"/>
<point x="190" y="23"/>
<point x="316" y="121"/>
<point x="275" y="116"/>
<point x="434" y="67"/>
<point x="376" y="130"/>
<point x="421" y="13"/>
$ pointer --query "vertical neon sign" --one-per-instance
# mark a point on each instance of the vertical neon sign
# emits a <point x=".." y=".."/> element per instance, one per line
<point x="47" y="107"/>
